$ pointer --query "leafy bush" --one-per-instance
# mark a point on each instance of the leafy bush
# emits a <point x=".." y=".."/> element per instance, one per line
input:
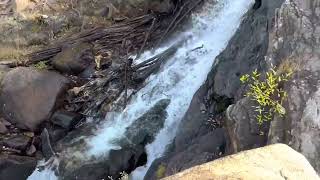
<point x="161" y="171"/>
<point x="41" y="65"/>
<point x="268" y="93"/>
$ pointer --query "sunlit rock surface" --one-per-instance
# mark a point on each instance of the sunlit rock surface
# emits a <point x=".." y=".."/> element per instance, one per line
<point x="276" y="162"/>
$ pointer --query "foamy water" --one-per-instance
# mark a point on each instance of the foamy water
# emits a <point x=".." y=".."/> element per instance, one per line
<point x="178" y="80"/>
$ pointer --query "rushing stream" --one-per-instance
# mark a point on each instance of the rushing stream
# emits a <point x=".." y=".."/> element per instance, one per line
<point x="179" y="79"/>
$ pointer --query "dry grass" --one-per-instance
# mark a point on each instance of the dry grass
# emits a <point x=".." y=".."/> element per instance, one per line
<point x="11" y="53"/>
<point x="288" y="66"/>
<point x="22" y="5"/>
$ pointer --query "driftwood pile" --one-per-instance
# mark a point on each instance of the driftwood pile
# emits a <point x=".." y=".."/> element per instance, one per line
<point x="131" y="37"/>
<point x="110" y="92"/>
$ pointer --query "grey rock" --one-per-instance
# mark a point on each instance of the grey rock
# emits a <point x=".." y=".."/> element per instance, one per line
<point x="243" y="129"/>
<point x="74" y="59"/>
<point x="201" y="150"/>
<point x="32" y="97"/>
<point x="240" y="58"/>
<point x="16" y="167"/>
<point x="145" y="128"/>
<point x="19" y="142"/>
<point x="3" y="128"/>
<point x="138" y="7"/>
<point x="46" y="144"/>
<point x="66" y="119"/>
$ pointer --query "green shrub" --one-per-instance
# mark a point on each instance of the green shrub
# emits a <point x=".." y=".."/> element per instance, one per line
<point x="42" y="65"/>
<point x="268" y="93"/>
<point x="161" y="171"/>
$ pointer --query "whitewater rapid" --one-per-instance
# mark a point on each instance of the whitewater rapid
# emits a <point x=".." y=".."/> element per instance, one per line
<point x="179" y="79"/>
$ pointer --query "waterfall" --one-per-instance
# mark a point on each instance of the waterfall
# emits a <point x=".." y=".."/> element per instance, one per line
<point x="178" y="80"/>
<point x="212" y="28"/>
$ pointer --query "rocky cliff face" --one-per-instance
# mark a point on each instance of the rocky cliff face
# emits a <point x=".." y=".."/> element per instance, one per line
<point x="278" y="33"/>
<point x="292" y="44"/>
<point x="296" y="38"/>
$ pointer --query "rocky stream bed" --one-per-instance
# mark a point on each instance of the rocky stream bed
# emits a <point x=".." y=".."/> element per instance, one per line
<point x="91" y="90"/>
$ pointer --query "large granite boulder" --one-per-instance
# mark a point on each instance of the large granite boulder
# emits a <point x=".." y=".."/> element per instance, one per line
<point x="275" y="162"/>
<point x="28" y="96"/>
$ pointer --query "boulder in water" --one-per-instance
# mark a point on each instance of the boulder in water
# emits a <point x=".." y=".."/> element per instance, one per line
<point x="144" y="129"/>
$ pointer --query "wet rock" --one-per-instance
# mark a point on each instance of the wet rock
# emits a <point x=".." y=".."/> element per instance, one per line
<point x="199" y="151"/>
<point x="272" y="162"/>
<point x="49" y="138"/>
<point x="16" y="167"/>
<point x="244" y="131"/>
<point x="145" y="128"/>
<point x="57" y="133"/>
<point x="241" y="58"/>
<point x="30" y="100"/>
<point x="31" y="150"/>
<point x="130" y="154"/>
<point x="74" y="59"/>
<point x="257" y="4"/>
<point x="19" y="142"/>
<point x="66" y="119"/>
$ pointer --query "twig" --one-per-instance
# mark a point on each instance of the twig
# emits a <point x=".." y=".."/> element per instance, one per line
<point x="146" y="38"/>
<point x="171" y="24"/>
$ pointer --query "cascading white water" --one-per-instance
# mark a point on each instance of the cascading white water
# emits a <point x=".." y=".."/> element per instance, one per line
<point x="178" y="80"/>
<point x="212" y="28"/>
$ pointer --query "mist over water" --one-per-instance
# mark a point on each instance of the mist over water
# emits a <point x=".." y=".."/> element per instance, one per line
<point x="178" y="80"/>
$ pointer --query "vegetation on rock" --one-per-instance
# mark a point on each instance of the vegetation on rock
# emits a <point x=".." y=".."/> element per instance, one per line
<point x="268" y="93"/>
<point x="41" y="65"/>
<point x="161" y="171"/>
